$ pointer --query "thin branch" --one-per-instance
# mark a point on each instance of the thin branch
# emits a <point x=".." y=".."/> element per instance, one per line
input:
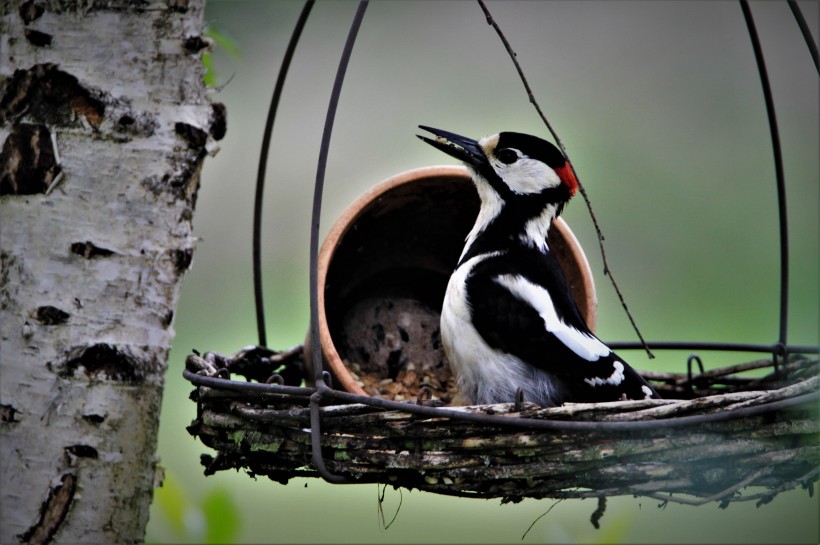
<point x="804" y="480"/>
<point x="714" y="497"/>
<point x="542" y="515"/>
<point x="607" y="269"/>
<point x="382" y="519"/>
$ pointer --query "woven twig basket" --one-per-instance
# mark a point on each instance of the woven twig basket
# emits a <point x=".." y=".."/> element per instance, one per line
<point x="707" y="448"/>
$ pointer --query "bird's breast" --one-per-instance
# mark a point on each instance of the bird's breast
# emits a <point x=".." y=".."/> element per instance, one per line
<point x="471" y="359"/>
<point x="485" y="374"/>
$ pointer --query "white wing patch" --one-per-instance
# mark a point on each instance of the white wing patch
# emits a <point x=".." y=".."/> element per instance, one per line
<point x="614" y="379"/>
<point x="647" y="391"/>
<point x="586" y="346"/>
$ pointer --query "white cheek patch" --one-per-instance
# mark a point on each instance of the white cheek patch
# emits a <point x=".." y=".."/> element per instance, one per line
<point x="584" y="345"/>
<point x="527" y="176"/>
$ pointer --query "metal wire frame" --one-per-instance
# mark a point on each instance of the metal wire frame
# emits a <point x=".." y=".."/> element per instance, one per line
<point x="260" y="176"/>
<point x="324" y="389"/>
<point x="778" y="169"/>
<point x="804" y="29"/>
<point x="781" y="348"/>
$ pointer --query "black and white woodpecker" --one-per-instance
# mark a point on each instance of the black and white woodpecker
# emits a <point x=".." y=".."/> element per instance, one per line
<point x="509" y="324"/>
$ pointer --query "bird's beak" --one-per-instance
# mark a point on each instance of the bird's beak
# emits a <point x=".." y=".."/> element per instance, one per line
<point x="462" y="148"/>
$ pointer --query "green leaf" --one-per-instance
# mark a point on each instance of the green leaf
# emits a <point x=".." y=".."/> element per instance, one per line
<point x="172" y="501"/>
<point x="210" y="74"/>
<point x="222" y="517"/>
<point x="222" y="42"/>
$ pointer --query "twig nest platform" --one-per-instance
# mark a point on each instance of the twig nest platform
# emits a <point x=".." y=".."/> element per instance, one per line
<point x="382" y="274"/>
<point x="696" y="450"/>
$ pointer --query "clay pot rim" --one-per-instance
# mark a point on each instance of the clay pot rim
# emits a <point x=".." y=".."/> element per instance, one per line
<point x="343" y="224"/>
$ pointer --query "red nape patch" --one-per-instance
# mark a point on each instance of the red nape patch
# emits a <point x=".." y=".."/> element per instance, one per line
<point x="568" y="178"/>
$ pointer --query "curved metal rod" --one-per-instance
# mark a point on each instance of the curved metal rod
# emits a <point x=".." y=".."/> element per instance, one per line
<point x="260" y="175"/>
<point x="718" y="346"/>
<point x="316" y="349"/>
<point x="245" y="387"/>
<point x="316" y="444"/>
<point x="806" y="31"/>
<point x="778" y="168"/>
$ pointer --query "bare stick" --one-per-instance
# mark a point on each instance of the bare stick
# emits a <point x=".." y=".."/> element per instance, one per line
<point x="714" y="497"/>
<point x="607" y="269"/>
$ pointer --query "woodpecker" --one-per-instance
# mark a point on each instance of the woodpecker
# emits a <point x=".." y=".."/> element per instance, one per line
<point x="509" y="324"/>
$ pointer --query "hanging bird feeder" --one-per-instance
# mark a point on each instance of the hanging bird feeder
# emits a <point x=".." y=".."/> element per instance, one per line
<point x="714" y="432"/>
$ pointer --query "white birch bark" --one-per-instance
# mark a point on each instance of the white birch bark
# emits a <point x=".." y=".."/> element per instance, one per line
<point x="104" y="126"/>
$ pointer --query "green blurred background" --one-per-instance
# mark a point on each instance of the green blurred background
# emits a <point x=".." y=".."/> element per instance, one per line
<point x="660" y="107"/>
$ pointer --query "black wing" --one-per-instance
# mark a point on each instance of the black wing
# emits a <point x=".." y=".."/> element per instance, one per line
<point x="521" y="305"/>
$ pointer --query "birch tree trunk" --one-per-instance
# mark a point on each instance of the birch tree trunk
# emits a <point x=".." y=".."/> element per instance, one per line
<point x="104" y="126"/>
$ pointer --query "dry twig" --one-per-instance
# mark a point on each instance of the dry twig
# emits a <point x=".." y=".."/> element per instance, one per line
<point x="560" y="143"/>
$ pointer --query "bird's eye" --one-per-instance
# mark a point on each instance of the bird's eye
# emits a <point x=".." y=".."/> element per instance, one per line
<point x="507" y="156"/>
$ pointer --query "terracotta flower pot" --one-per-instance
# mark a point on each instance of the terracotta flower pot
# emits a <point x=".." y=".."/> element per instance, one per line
<point x="383" y="270"/>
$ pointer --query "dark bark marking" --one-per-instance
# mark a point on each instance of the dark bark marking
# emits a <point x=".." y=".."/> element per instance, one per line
<point x="48" y="315"/>
<point x="49" y="95"/>
<point x="129" y="123"/>
<point x="52" y="512"/>
<point x="37" y="38"/>
<point x="180" y="6"/>
<point x="93" y="418"/>
<point x="194" y="44"/>
<point x="28" y="163"/>
<point x="89" y="250"/>
<point x="168" y="319"/>
<point x="219" y="120"/>
<point x="7" y="413"/>
<point x="82" y="451"/>
<point x="183" y="180"/>
<point x="195" y="136"/>
<point x="182" y="259"/>
<point x="31" y="11"/>
<point x="111" y="362"/>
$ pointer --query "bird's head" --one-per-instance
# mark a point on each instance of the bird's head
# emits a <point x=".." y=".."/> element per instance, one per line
<point x="523" y="183"/>
<point x="512" y="164"/>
